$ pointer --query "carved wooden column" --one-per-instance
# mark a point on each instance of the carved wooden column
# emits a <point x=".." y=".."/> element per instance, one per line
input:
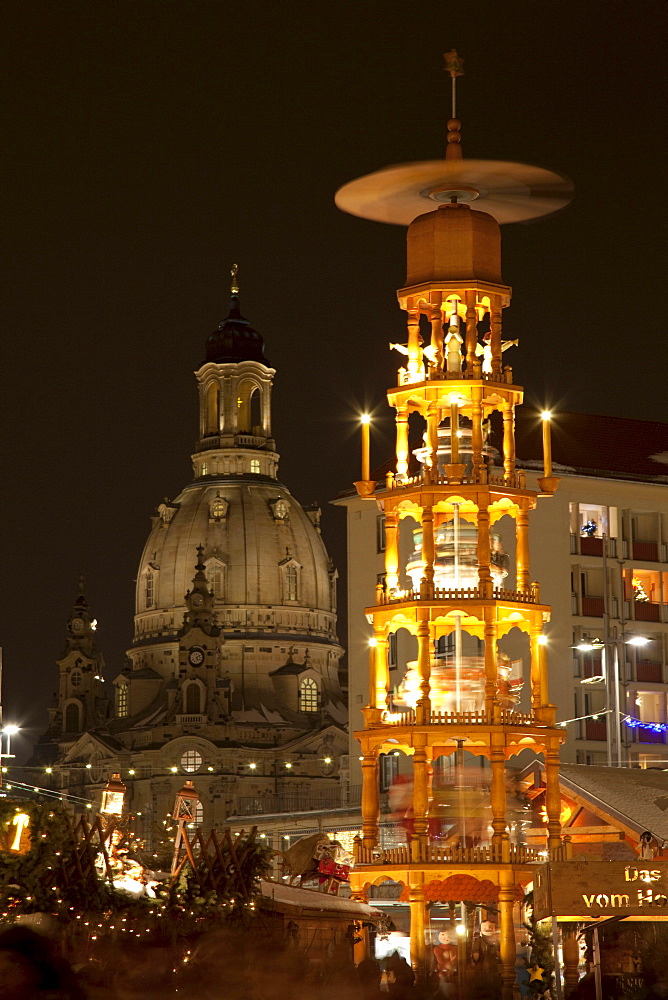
<point x="370" y="800"/>
<point x="499" y="824"/>
<point x="508" y="441"/>
<point x="537" y="658"/>
<point x="484" y="571"/>
<point x="381" y="674"/>
<point x="522" y="581"/>
<point x="507" y="947"/>
<point x="418" y="912"/>
<point x="437" y="335"/>
<point x="391" y="550"/>
<point x="402" y="440"/>
<point x="414" y="363"/>
<point x="552" y="798"/>
<point x="476" y="432"/>
<point x="423" y="708"/>
<point x="491" y="671"/>
<point x="495" y="331"/>
<point x="571" y="952"/>
<point x="420" y="803"/>
<point x="471" y="329"/>
<point x="433" y="420"/>
<point x="428" y="552"/>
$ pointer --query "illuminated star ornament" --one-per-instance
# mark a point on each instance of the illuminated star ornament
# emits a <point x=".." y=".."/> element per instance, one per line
<point x="454" y="64"/>
<point x="535" y="972"/>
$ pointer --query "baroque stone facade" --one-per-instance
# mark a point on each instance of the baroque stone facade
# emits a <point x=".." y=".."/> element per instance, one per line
<point x="232" y="676"/>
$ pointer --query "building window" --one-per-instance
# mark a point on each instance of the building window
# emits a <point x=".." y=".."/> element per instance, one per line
<point x="75" y="678"/>
<point x="215" y="572"/>
<point x="193" y="699"/>
<point x="122" y="700"/>
<point x="255" y="465"/>
<point x="72" y="721"/>
<point x="308" y="695"/>
<point x="205" y="469"/>
<point x="149" y="590"/>
<point x="290" y="581"/>
<point x="191" y="761"/>
<point x="380" y="533"/>
<point x="389" y="769"/>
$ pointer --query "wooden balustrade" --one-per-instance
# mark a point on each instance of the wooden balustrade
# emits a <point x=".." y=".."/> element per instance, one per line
<point x="442" y="854"/>
<point x="507" y="717"/>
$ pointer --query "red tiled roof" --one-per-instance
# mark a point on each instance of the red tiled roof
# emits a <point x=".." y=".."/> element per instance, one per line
<point x="591" y="443"/>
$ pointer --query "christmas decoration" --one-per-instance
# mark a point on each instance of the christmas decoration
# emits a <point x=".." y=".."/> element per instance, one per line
<point x="654" y="727"/>
<point x="639" y="593"/>
<point x="540" y="958"/>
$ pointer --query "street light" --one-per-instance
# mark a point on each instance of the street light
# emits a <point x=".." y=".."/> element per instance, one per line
<point x="614" y="739"/>
<point x="113" y="796"/>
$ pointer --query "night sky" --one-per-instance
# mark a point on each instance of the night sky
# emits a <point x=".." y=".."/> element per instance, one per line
<point x="149" y="145"/>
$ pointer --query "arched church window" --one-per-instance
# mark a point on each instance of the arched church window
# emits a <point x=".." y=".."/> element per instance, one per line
<point x="122" y="700"/>
<point x="308" y="695"/>
<point x="291" y="583"/>
<point x="193" y="699"/>
<point x="212" y="408"/>
<point x="255" y="465"/>
<point x="72" y="718"/>
<point x="75" y="678"/>
<point x="215" y="572"/>
<point x="256" y="412"/>
<point x="191" y="760"/>
<point x="149" y="590"/>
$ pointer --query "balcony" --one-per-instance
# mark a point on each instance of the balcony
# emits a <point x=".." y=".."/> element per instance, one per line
<point x="595" y="729"/>
<point x="531" y="596"/>
<point x="192" y="719"/>
<point x="647" y="551"/>
<point x="593" y="607"/>
<point x="591" y="546"/>
<point x="249" y="441"/>
<point x="648" y="670"/>
<point x="641" y="735"/>
<point x="646" y="611"/>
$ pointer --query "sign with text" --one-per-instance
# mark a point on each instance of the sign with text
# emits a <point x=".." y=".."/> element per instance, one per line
<point x="582" y="888"/>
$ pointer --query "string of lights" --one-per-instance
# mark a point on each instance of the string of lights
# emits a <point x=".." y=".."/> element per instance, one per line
<point x="580" y="718"/>
<point x="653" y="727"/>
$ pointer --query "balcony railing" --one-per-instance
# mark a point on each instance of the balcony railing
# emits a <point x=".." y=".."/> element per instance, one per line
<point x="592" y="607"/>
<point x="192" y="719"/>
<point x="506" y="718"/>
<point x="516" y="480"/>
<point x="435" y="854"/>
<point x="647" y="551"/>
<point x="595" y="729"/>
<point x="459" y="594"/>
<point x="646" y="611"/>
<point x="648" y="670"/>
<point x="641" y="735"/>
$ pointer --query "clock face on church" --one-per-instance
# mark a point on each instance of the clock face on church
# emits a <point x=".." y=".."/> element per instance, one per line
<point x="77" y="625"/>
<point x="197" y="600"/>
<point x="196" y="657"/>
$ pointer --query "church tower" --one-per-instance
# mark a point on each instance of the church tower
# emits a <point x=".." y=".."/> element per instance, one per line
<point x="82" y="702"/>
<point x="458" y="595"/>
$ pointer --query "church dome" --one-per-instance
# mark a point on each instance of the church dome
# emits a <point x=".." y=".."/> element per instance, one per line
<point x="235" y="340"/>
<point x="265" y="560"/>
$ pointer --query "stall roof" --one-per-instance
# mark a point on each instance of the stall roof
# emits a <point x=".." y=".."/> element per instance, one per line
<point x="637" y="797"/>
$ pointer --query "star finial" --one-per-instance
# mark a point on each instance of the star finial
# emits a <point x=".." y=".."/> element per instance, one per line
<point x="235" y="284"/>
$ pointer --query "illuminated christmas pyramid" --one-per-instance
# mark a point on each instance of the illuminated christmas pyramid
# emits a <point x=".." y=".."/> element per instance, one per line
<point x="457" y="586"/>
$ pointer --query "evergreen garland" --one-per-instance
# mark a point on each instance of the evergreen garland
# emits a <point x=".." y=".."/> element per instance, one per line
<point x="540" y="953"/>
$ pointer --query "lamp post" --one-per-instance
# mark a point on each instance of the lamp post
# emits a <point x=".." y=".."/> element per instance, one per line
<point x="113" y="796"/>
<point x="611" y="679"/>
<point x="7" y="731"/>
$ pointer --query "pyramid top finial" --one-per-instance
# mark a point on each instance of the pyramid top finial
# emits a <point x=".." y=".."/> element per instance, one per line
<point x="234" y="273"/>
